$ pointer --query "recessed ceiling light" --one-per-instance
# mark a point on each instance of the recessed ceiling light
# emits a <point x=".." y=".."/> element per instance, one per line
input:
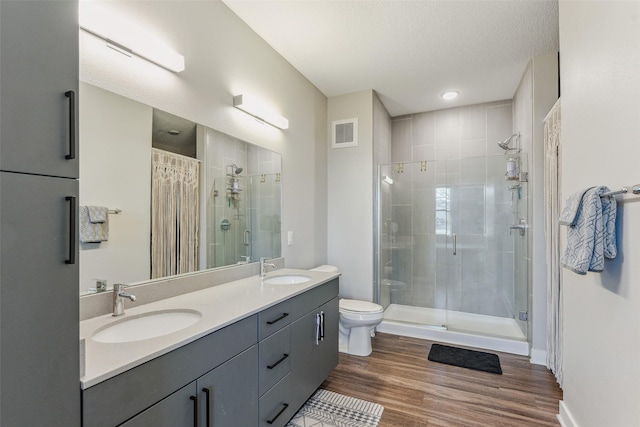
<point x="449" y="95"/>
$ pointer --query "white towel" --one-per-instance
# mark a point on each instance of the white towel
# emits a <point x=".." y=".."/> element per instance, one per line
<point x="591" y="236"/>
<point x="92" y="232"/>
<point x="98" y="214"/>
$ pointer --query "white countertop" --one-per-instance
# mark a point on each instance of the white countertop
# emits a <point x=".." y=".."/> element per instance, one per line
<point x="220" y="306"/>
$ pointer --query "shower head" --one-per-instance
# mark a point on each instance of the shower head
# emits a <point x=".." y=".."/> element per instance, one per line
<point x="235" y="170"/>
<point x="505" y="145"/>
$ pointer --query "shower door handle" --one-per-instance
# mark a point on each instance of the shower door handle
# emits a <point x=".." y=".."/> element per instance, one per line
<point x="455" y="244"/>
<point x="247" y="237"/>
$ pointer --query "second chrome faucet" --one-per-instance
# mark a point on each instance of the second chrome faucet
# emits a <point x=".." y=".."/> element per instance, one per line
<point x="264" y="265"/>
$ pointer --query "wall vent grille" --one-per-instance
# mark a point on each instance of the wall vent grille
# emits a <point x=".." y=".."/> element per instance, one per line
<point x="344" y="133"/>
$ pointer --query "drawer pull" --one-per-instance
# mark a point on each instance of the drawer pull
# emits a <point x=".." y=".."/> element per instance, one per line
<point x="195" y="410"/>
<point x="271" y="322"/>
<point x="282" y="359"/>
<point x="273" y="420"/>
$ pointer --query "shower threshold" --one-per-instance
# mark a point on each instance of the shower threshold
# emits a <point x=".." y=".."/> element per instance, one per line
<point x="454" y="327"/>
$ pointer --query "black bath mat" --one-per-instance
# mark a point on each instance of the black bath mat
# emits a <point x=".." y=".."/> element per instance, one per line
<point x="478" y="360"/>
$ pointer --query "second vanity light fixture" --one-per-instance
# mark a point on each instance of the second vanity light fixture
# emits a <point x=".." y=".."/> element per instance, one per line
<point x="261" y="112"/>
<point x="100" y="26"/>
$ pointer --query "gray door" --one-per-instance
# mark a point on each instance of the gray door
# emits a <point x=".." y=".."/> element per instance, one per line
<point x="39" y="60"/>
<point x="328" y="347"/>
<point x="231" y="396"/>
<point x="39" y="321"/>
<point x="176" y="410"/>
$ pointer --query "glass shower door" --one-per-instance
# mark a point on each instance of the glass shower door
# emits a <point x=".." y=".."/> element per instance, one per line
<point x="408" y="257"/>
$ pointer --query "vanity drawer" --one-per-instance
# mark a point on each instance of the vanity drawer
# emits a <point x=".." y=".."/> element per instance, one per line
<point x="274" y="318"/>
<point x="275" y="360"/>
<point x="275" y="405"/>
<point x="314" y="298"/>
<point x="117" y="399"/>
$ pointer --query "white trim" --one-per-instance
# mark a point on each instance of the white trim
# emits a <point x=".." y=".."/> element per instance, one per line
<point x="565" y="418"/>
<point x="453" y="337"/>
<point x="538" y="357"/>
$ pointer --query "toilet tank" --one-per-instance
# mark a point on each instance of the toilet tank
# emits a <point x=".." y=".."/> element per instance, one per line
<point x="326" y="269"/>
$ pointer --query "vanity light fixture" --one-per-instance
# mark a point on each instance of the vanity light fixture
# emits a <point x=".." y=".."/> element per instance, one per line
<point x="261" y="112"/>
<point x="147" y="49"/>
<point x="450" y="95"/>
<point x="387" y="179"/>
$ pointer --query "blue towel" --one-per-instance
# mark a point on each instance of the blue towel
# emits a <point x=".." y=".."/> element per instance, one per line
<point x="592" y="235"/>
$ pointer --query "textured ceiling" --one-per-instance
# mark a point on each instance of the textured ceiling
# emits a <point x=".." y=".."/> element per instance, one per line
<point x="409" y="52"/>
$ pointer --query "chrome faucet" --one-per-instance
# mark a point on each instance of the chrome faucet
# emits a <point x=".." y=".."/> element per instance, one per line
<point x="264" y="264"/>
<point x="118" y="301"/>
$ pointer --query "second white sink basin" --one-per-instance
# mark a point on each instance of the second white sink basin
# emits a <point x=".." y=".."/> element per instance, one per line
<point x="147" y="325"/>
<point x="291" y="279"/>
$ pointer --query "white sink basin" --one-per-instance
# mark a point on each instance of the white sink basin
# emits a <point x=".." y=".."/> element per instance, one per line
<point x="147" y="325"/>
<point x="291" y="279"/>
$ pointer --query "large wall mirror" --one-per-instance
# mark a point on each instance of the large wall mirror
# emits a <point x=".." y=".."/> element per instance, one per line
<point x="179" y="197"/>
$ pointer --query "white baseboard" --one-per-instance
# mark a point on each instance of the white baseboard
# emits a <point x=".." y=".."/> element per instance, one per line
<point x="564" y="417"/>
<point x="538" y="357"/>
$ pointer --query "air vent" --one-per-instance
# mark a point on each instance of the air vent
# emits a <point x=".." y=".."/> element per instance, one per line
<point x="344" y="133"/>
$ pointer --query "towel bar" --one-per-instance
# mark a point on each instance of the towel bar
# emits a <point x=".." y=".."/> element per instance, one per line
<point x="115" y="211"/>
<point x="634" y="189"/>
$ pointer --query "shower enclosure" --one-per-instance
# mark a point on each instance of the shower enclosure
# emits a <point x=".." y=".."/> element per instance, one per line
<point x="452" y="250"/>
<point x="246" y="217"/>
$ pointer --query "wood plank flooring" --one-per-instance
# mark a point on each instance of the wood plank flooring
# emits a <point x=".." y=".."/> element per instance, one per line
<point x="416" y="392"/>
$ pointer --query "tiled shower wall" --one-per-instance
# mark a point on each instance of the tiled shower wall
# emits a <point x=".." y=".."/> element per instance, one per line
<point x="225" y="247"/>
<point x="459" y="146"/>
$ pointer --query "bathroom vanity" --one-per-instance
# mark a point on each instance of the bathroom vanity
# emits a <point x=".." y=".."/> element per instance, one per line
<point x="257" y="352"/>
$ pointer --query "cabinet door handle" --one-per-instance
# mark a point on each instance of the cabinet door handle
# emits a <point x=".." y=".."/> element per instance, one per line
<point x="322" y="326"/>
<point x="72" y="230"/>
<point x="72" y="125"/>
<point x="208" y="392"/>
<point x="282" y="359"/>
<point x="317" y="328"/>
<point x="273" y="420"/>
<point x="195" y="410"/>
<point x="271" y="322"/>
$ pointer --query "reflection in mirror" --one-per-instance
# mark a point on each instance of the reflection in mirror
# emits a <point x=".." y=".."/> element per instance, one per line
<point x="238" y="182"/>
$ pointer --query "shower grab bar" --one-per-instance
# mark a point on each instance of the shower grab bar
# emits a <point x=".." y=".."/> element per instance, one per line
<point x="635" y="190"/>
<point x="455" y="244"/>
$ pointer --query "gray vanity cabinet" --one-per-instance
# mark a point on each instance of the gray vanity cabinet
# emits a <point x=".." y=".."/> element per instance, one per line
<point x="225" y="397"/>
<point x="39" y="320"/>
<point x="314" y="340"/>
<point x="152" y="385"/>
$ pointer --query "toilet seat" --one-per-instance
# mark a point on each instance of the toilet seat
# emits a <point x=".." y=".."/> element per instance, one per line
<point x="359" y="307"/>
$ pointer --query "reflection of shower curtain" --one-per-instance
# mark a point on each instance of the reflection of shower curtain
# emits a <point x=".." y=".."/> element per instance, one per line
<point x="174" y="214"/>
<point x="552" y="175"/>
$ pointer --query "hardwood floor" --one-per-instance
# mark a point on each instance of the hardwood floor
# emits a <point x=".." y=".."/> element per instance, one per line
<point x="416" y="392"/>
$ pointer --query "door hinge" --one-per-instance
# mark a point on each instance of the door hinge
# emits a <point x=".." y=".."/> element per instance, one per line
<point x="523" y="315"/>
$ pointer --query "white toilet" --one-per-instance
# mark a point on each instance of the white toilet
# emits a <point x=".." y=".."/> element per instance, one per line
<point x="358" y="320"/>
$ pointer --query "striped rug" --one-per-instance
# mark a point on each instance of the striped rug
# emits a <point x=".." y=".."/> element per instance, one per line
<point x="328" y="409"/>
